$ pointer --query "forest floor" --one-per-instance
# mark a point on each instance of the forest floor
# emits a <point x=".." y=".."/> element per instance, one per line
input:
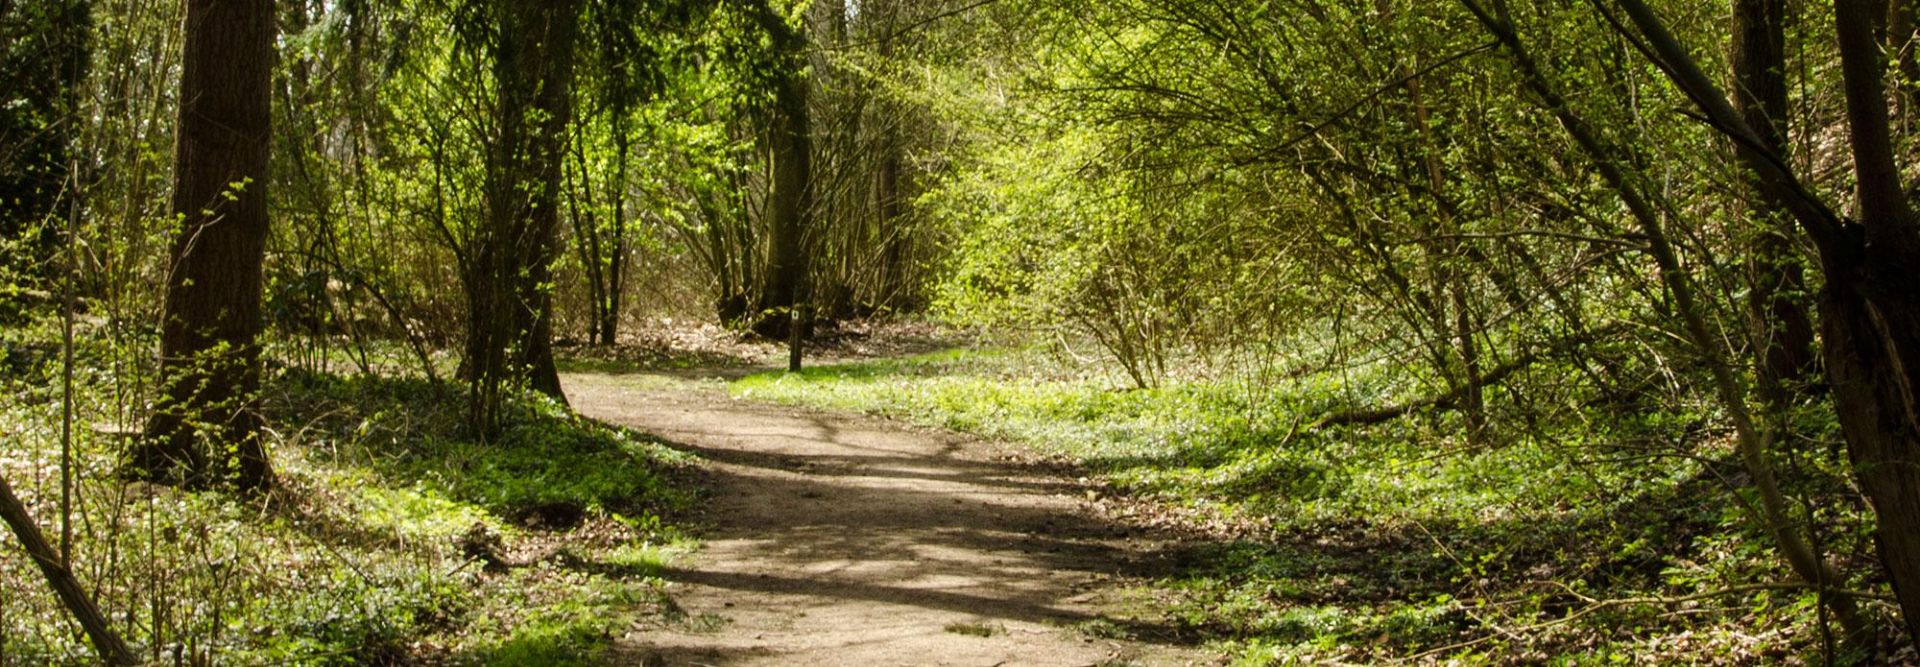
<point x="831" y="538"/>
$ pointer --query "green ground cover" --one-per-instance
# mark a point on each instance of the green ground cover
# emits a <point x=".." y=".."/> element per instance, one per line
<point x="392" y="538"/>
<point x="1391" y="541"/>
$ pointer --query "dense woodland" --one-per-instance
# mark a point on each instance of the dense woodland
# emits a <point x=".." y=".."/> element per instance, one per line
<point x="1475" y="331"/>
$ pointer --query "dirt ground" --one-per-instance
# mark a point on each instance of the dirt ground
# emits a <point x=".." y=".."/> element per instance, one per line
<point x="834" y="539"/>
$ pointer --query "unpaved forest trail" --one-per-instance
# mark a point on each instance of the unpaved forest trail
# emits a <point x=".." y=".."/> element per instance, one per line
<point x="834" y="539"/>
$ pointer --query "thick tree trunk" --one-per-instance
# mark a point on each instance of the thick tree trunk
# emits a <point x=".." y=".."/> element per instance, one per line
<point x="1870" y="306"/>
<point x="1783" y="332"/>
<point x="204" y="429"/>
<point x="1871" y="320"/>
<point x="1872" y="310"/>
<point x="510" y="303"/>
<point x="484" y="359"/>
<point x="549" y="51"/>
<point x="786" y="272"/>
<point x="1751" y="442"/>
<point x="791" y="195"/>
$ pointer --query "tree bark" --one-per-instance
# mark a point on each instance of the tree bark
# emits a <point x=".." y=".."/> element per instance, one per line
<point x="204" y="429"/>
<point x="544" y="43"/>
<point x="1870" y="304"/>
<point x="896" y="290"/>
<point x="510" y="301"/>
<point x="1870" y="315"/>
<point x="1871" y="308"/>
<point x="613" y="291"/>
<point x="790" y="205"/>
<point x="112" y="650"/>
<point x="1751" y="442"/>
<point x="1783" y="332"/>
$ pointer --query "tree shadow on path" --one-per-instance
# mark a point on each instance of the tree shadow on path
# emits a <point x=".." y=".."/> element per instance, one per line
<point x="818" y="519"/>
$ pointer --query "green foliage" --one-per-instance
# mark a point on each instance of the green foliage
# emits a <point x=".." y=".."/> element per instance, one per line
<point x="44" y="52"/>
<point x="1074" y="227"/>
<point x="567" y="632"/>
<point x="1388" y="336"/>
<point x="363" y="554"/>
<point x="546" y="458"/>
<point x="1363" y="543"/>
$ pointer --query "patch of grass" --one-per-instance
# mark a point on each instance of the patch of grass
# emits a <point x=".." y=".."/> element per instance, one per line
<point x="975" y="629"/>
<point x="548" y="466"/>
<point x="565" y="619"/>
<point x="706" y="623"/>
<point x="361" y="556"/>
<point x="1102" y="628"/>
<point x="1369" y="543"/>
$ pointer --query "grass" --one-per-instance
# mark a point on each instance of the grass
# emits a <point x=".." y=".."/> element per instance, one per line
<point x="375" y="548"/>
<point x="1392" y="541"/>
<point x="981" y="630"/>
<point x="396" y="538"/>
<point x="545" y="462"/>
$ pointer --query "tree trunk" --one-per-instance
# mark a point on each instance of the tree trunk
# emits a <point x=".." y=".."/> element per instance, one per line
<point x="1871" y="321"/>
<point x="1447" y="277"/>
<point x="730" y="304"/>
<point x="112" y="650"/>
<point x="586" y="240"/>
<point x="548" y="50"/>
<point x="1751" y="442"/>
<point x="1871" y="308"/>
<point x="613" y="291"/>
<point x="1783" y="332"/>
<point x="791" y="195"/>
<point x="895" y="290"/>
<point x="204" y="429"/>
<point x="510" y="301"/>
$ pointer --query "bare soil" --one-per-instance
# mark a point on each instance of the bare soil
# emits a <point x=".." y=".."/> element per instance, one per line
<point x="835" y="539"/>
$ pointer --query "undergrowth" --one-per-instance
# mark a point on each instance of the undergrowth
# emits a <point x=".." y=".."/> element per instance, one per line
<point x="1400" y="540"/>
<point x="392" y="538"/>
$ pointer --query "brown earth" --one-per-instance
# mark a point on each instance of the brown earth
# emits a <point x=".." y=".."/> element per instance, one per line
<point x="834" y="539"/>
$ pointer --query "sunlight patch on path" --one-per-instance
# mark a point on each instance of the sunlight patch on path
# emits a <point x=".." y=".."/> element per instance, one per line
<point x="842" y="540"/>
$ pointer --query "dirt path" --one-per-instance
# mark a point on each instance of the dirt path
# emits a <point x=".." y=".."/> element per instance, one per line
<point x="836" y="539"/>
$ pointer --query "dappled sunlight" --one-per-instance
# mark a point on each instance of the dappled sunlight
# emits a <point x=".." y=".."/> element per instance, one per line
<point x="838" y="536"/>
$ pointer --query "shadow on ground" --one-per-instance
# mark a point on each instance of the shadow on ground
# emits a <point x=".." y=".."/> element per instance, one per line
<point x="839" y="534"/>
